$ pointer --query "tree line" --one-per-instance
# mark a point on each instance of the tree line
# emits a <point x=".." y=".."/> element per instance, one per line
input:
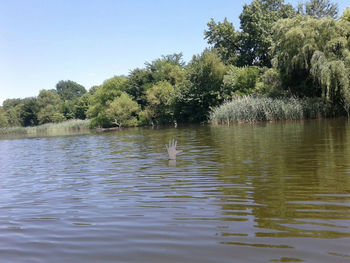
<point x="279" y="51"/>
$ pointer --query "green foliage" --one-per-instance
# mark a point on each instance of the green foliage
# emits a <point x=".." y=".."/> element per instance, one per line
<point x="313" y="57"/>
<point x="319" y="8"/>
<point x="21" y="111"/>
<point x="257" y="20"/>
<point x="70" y="93"/>
<point x="29" y="112"/>
<point x="10" y="103"/>
<point x="50" y="114"/>
<point x="69" y="90"/>
<point x="346" y="14"/>
<point x="101" y="120"/>
<point x="123" y="111"/>
<point x="67" y="108"/>
<point x="175" y="59"/>
<point x="110" y="89"/>
<point x="270" y="84"/>
<point x="167" y="68"/>
<point x="139" y="81"/>
<point x="241" y="81"/>
<point x="225" y="39"/>
<point x="202" y="87"/>
<point x="58" y="117"/>
<point x="251" y="45"/>
<point x="82" y="106"/>
<point x="48" y="97"/>
<point x="105" y="94"/>
<point x="253" y="109"/>
<point x="93" y="89"/>
<point x="49" y="103"/>
<point x="13" y="116"/>
<point x="160" y="100"/>
<point x="3" y="118"/>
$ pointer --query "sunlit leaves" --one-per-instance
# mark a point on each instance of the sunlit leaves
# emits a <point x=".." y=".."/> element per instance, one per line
<point x="69" y="90"/>
<point x="225" y="40"/>
<point x="346" y="14"/>
<point x="160" y="99"/>
<point x="313" y="57"/>
<point x="123" y="111"/>
<point x="319" y="8"/>
<point x="257" y="20"/>
<point x="202" y="87"/>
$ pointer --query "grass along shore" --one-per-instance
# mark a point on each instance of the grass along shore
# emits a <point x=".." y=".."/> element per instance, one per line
<point x="70" y="125"/>
<point x="254" y="109"/>
<point x="240" y="109"/>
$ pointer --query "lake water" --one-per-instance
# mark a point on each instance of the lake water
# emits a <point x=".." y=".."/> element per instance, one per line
<point x="272" y="192"/>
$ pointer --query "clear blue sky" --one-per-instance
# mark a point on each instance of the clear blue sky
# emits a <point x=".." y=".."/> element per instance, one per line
<point x="88" y="41"/>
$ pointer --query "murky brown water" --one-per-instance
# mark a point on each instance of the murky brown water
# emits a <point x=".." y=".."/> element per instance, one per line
<point x="245" y="193"/>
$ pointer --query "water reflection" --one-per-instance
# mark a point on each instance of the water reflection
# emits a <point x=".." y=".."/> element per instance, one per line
<point x="263" y="192"/>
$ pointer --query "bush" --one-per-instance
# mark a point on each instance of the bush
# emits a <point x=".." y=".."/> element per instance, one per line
<point x="241" y="80"/>
<point x="253" y="109"/>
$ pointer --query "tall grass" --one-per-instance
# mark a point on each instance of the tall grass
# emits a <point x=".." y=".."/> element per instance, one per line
<point x="70" y="125"/>
<point x="254" y="109"/>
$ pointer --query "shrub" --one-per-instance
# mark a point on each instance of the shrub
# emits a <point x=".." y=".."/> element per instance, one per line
<point x="252" y="109"/>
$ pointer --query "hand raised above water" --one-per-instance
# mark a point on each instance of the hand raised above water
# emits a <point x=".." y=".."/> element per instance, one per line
<point x="172" y="152"/>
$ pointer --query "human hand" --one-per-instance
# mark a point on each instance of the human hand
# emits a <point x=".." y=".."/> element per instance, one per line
<point x="172" y="152"/>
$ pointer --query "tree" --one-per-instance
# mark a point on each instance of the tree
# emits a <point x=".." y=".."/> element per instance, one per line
<point x="10" y="103"/>
<point x="21" y="112"/>
<point x="3" y="118"/>
<point x="257" y="20"/>
<point x="319" y="8"/>
<point x="168" y="68"/>
<point x="82" y="106"/>
<point x="29" y="112"/>
<point x="225" y="39"/>
<point x="241" y="81"/>
<point x="175" y="59"/>
<point x="270" y="84"/>
<point x="93" y="89"/>
<point x="313" y="57"/>
<point x="160" y="100"/>
<point x="105" y="94"/>
<point x="50" y="114"/>
<point x="13" y="116"/>
<point x="47" y="97"/>
<point x="67" y="108"/>
<point x="69" y="90"/>
<point x="123" y="111"/>
<point x="201" y="88"/>
<point x="49" y="107"/>
<point x="138" y="82"/>
<point x="346" y="14"/>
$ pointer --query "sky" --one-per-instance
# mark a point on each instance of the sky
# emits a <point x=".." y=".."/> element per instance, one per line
<point x="89" y="41"/>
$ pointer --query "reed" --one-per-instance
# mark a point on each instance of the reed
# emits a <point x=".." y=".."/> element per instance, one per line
<point x="253" y="109"/>
<point x="70" y="125"/>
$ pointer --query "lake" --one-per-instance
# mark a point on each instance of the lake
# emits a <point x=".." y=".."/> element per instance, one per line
<point x="269" y="192"/>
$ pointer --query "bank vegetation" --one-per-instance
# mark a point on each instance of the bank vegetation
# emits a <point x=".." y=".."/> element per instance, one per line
<point x="285" y="62"/>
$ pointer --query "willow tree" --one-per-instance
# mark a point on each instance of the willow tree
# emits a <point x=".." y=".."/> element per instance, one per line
<point x="346" y="14"/>
<point x="313" y="57"/>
